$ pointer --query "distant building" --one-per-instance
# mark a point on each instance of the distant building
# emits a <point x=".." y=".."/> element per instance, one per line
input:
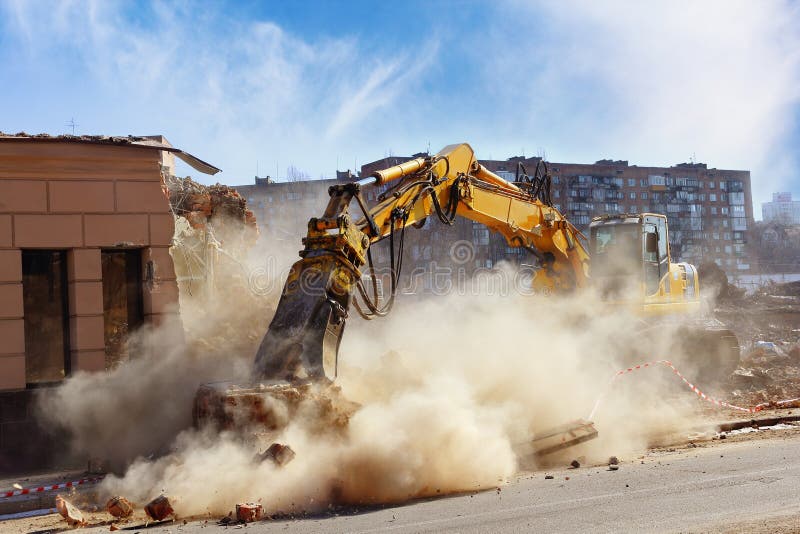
<point x="709" y="210"/>
<point x="782" y="209"/>
<point x="282" y="209"/>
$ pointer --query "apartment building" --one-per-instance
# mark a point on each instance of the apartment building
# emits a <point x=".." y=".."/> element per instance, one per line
<point x="709" y="210"/>
<point x="782" y="209"/>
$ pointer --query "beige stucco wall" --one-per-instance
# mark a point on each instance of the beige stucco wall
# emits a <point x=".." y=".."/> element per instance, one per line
<point x="81" y="198"/>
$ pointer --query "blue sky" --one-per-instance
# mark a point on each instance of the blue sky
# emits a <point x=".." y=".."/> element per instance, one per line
<point x="269" y="85"/>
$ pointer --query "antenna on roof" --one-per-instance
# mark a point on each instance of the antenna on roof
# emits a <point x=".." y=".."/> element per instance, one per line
<point x="72" y="124"/>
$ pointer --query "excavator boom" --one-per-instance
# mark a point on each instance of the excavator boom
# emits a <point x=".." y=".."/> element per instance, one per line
<point x="303" y="339"/>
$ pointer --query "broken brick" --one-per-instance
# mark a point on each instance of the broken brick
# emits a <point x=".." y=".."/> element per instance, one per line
<point x="249" y="512"/>
<point x="119" y="507"/>
<point x="159" y="508"/>
<point x="69" y="512"/>
<point x="279" y="454"/>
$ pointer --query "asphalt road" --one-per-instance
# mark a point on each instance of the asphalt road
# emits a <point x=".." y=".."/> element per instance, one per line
<point x="712" y="488"/>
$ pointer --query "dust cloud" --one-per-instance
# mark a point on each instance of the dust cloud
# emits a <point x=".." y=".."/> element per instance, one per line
<point x="451" y="388"/>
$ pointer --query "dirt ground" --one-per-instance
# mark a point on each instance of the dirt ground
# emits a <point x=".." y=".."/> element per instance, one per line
<point x="767" y="324"/>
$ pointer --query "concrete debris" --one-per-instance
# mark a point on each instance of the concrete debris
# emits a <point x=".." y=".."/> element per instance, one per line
<point x="613" y="461"/>
<point x="159" y="508"/>
<point x="272" y="406"/>
<point x="119" y="507"/>
<point x="217" y="204"/>
<point x="249" y="512"/>
<point x="278" y="453"/>
<point x="69" y="512"/>
<point x="766" y="324"/>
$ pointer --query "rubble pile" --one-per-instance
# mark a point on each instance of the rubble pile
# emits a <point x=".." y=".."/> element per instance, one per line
<point x="269" y="408"/>
<point x="214" y="235"/>
<point x="218" y="205"/>
<point x="767" y="323"/>
<point x="768" y="373"/>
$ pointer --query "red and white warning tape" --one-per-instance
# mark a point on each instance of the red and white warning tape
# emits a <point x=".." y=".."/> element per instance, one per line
<point x="40" y="489"/>
<point x="694" y="388"/>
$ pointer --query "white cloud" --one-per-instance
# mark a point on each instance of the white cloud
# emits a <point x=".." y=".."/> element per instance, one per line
<point x="656" y="82"/>
<point x="232" y="91"/>
<point x="652" y="82"/>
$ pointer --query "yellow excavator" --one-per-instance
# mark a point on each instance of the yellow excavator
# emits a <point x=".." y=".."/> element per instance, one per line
<point x="628" y="259"/>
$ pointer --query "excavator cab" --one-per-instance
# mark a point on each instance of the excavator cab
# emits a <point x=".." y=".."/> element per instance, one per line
<point x="631" y="267"/>
<point x="630" y="256"/>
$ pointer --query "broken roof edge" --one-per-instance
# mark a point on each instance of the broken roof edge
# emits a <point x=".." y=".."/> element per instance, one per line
<point x="141" y="142"/>
<point x="193" y="161"/>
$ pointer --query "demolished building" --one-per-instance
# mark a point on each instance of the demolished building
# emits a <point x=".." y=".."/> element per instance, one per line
<point x="85" y="233"/>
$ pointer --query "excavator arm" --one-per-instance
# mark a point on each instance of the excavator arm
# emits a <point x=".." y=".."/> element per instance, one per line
<point x="303" y="339"/>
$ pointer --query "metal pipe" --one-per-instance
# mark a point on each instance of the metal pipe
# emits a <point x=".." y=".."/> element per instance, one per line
<point x="482" y="173"/>
<point x="369" y="180"/>
<point x="398" y="171"/>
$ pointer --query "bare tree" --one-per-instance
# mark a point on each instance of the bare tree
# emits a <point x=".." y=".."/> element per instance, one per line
<point x="293" y="174"/>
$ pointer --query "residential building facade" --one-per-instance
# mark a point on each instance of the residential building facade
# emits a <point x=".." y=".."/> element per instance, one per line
<point x="709" y="210"/>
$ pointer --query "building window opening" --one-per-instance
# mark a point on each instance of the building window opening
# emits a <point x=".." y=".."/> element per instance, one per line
<point x="123" y="310"/>
<point x="44" y="291"/>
